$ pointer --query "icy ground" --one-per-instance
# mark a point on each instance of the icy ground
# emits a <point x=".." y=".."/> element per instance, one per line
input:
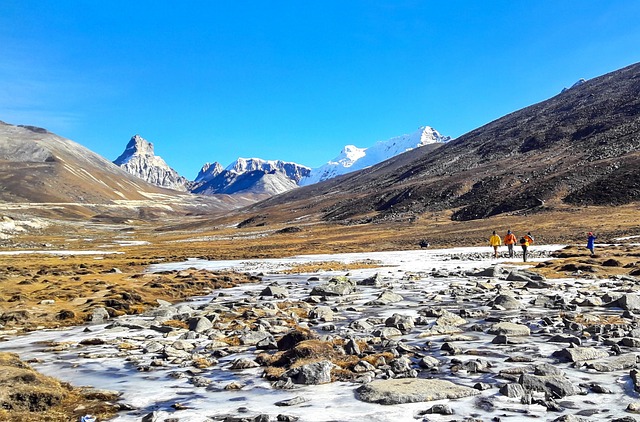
<point x="106" y="366"/>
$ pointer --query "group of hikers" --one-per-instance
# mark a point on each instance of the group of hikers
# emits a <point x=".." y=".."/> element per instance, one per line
<point x="510" y="240"/>
<point x="525" y="241"/>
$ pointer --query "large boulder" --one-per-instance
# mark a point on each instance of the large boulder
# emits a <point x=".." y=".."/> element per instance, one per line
<point x="509" y="329"/>
<point x="411" y="390"/>
<point x="311" y="374"/>
<point x="552" y="385"/>
<point x="337" y="286"/>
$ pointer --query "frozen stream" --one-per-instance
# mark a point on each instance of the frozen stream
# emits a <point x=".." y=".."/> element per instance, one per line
<point x="409" y="273"/>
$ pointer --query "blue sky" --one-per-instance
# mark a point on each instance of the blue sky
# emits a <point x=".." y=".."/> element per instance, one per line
<point x="293" y="80"/>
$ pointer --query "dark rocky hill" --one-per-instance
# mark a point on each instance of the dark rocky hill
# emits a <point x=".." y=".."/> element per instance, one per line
<point x="580" y="147"/>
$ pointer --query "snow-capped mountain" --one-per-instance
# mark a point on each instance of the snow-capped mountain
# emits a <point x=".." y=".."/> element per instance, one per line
<point x="293" y="171"/>
<point x="353" y="158"/>
<point x="208" y="172"/>
<point x="249" y="175"/>
<point x="139" y="159"/>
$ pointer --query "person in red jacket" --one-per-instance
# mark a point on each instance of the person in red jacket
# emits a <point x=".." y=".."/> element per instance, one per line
<point x="510" y="240"/>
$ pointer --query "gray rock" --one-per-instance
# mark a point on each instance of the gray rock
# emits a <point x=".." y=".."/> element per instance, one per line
<point x="251" y="338"/>
<point x="553" y="385"/>
<point x="351" y="347"/>
<point x="512" y="390"/>
<point x="244" y="363"/>
<point x="411" y="390"/>
<point x="507" y="302"/>
<point x="580" y="354"/>
<point x="99" y="315"/>
<point x="450" y="319"/>
<point x="275" y="291"/>
<point x="322" y="313"/>
<point x="386" y="298"/>
<point x="487" y="272"/>
<point x="338" y="286"/>
<point x="429" y="362"/>
<point x="509" y="329"/>
<point x="628" y="302"/>
<point x="403" y="323"/>
<point x="200" y="325"/>
<point x="616" y="363"/>
<point x="387" y="332"/>
<point x="439" y="409"/>
<point x="292" y="402"/>
<point x="311" y="374"/>
<point x="630" y="342"/>
<point x="374" y="280"/>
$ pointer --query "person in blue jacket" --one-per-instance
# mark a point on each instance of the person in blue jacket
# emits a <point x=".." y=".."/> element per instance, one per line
<point x="591" y="242"/>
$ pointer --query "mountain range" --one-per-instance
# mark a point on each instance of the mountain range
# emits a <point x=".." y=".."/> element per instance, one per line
<point x="258" y="176"/>
<point x="578" y="148"/>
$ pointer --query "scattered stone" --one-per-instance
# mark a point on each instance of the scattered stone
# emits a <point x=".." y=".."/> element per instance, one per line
<point x="580" y="354"/>
<point x="411" y="390"/>
<point x="509" y="329"/>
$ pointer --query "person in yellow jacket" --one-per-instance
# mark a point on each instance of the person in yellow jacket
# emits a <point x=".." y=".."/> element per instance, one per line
<point x="495" y="241"/>
<point x="510" y="240"/>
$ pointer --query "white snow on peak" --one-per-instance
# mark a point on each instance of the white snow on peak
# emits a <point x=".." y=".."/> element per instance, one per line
<point x="353" y="158"/>
<point x="209" y="171"/>
<point x="139" y="159"/>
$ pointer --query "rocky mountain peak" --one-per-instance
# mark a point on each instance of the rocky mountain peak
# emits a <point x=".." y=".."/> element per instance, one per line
<point x="140" y="160"/>
<point x="137" y="146"/>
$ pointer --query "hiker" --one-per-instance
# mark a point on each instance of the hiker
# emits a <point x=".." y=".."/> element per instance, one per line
<point x="591" y="242"/>
<point x="525" y="241"/>
<point x="495" y="241"/>
<point x="510" y="240"/>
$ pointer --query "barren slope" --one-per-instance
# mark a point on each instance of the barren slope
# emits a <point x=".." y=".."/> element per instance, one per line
<point x="580" y="147"/>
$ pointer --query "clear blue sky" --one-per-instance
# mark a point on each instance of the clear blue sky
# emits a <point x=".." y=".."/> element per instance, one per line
<point x="293" y="80"/>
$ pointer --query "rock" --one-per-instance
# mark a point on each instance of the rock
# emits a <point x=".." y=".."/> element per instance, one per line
<point x="547" y="369"/>
<point x="512" y="390"/>
<point x="553" y="385"/>
<point x="411" y="390"/>
<point x="374" y="280"/>
<point x="429" y="362"/>
<point x="509" y="329"/>
<point x="628" y="302"/>
<point x="630" y="342"/>
<point x="351" y="347"/>
<point x="439" y="409"/>
<point x="99" y="315"/>
<point x="450" y="319"/>
<point x="338" y="286"/>
<point x="506" y="302"/>
<point x="580" y="354"/>
<point x="244" y="363"/>
<point x="616" y="363"/>
<point x="387" y="332"/>
<point x="403" y="323"/>
<point x="386" y="298"/>
<point x="559" y="338"/>
<point x="487" y="272"/>
<point x="311" y="374"/>
<point x="292" y="402"/>
<point x="275" y="291"/>
<point x="200" y="325"/>
<point x="251" y="338"/>
<point x="322" y="313"/>
<point x="151" y="417"/>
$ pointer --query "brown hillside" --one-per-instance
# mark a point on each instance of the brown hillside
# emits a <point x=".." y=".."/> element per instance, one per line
<point x="580" y="147"/>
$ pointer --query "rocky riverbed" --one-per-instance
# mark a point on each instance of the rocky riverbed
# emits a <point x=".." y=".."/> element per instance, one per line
<point x="429" y="335"/>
